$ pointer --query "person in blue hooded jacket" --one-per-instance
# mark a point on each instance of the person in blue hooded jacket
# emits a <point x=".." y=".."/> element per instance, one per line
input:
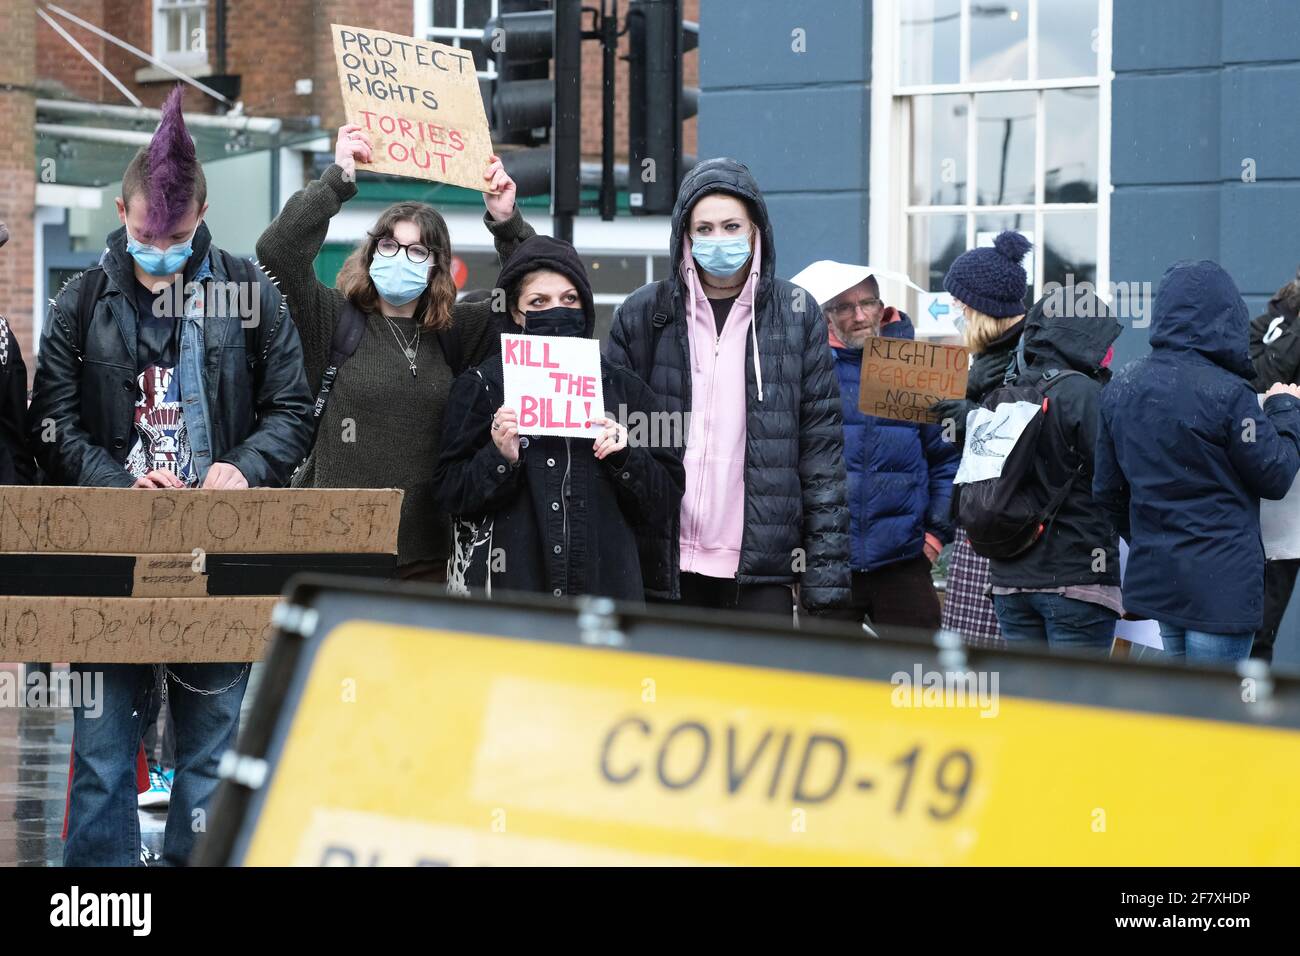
<point x="899" y="478"/>
<point x="1183" y="457"/>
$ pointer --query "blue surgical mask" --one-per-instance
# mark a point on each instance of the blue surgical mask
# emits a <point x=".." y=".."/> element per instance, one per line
<point x="161" y="262"/>
<point x="720" y="257"/>
<point x="398" y="279"/>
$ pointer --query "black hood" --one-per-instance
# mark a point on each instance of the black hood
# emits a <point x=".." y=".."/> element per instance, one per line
<point x="733" y="178"/>
<point x="1198" y="308"/>
<point x="1069" y="329"/>
<point x="542" y="253"/>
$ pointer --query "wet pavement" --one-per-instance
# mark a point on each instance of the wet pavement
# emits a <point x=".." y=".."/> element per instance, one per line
<point x="34" y="744"/>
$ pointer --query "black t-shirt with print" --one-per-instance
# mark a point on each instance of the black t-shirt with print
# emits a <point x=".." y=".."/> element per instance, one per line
<point x="161" y="441"/>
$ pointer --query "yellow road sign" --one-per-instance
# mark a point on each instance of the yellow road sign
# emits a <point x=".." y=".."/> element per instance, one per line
<point x="503" y="751"/>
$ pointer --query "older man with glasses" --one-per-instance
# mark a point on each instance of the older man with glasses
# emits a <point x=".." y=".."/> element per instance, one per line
<point x="899" y="477"/>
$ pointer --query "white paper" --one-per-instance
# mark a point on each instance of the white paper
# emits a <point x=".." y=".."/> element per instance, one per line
<point x="826" y="278"/>
<point x="553" y="383"/>
<point x="1146" y="632"/>
<point x="991" y="433"/>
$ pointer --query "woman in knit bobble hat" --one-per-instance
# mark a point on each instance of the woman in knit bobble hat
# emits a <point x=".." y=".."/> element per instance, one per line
<point x="988" y="285"/>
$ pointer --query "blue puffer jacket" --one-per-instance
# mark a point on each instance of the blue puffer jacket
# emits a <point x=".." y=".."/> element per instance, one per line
<point x="899" y="473"/>
<point x="1184" y="455"/>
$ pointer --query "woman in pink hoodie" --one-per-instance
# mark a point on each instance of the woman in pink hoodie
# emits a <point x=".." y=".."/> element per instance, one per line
<point x="742" y="357"/>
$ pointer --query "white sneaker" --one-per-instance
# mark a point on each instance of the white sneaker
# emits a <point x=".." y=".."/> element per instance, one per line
<point x="159" y="793"/>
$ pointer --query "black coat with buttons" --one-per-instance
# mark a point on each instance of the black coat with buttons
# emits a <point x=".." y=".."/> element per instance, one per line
<point x="563" y="521"/>
<point x="86" y="380"/>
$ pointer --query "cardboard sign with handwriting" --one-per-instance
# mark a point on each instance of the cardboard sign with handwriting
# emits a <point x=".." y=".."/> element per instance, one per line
<point x="553" y="382"/>
<point x="902" y="378"/>
<point x="418" y="103"/>
<point x="49" y="519"/>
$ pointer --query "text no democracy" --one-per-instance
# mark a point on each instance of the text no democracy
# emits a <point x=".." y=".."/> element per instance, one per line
<point x="553" y="383"/>
<point x="902" y="378"/>
<point x="419" y="104"/>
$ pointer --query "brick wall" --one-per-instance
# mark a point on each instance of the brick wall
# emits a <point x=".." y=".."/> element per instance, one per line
<point x="395" y="16"/>
<point x="592" y="74"/>
<point x="17" y="165"/>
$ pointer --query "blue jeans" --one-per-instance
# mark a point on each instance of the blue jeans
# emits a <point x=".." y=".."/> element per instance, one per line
<point x="1203" y="647"/>
<point x="1060" y="622"/>
<point x="103" y="821"/>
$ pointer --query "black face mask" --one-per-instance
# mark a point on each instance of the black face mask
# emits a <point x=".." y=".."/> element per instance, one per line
<point x="560" y="320"/>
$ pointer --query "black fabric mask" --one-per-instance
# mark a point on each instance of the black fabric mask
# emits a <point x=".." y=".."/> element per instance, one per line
<point x="560" y="320"/>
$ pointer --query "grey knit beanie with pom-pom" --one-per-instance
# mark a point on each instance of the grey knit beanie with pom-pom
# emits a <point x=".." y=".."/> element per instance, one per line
<point x="991" y="280"/>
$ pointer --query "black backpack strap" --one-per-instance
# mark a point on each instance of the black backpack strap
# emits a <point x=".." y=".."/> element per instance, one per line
<point x="249" y="276"/>
<point x="452" y="352"/>
<point x="660" y="318"/>
<point x="349" y="328"/>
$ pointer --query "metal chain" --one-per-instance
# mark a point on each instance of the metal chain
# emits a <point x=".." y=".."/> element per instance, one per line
<point x="199" y="690"/>
<point x="407" y="348"/>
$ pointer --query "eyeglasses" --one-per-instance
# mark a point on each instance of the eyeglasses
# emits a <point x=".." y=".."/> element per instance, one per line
<point x="415" y="253"/>
<point x="843" y="310"/>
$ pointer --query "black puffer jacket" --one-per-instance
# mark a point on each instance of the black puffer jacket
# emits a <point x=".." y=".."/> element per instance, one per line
<point x="566" y="522"/>
<point x="1068" y="552"/>
<point x="796" y="515"/>
<point x="261" y="416"/>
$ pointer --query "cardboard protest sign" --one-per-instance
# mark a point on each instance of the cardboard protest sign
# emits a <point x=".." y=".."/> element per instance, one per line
<point x="49" y="519"/>
<point x="902" y="378"/>
<point x="418" y="103"/>
<point x="135" y="630"/>
<point x="553" y="382"/>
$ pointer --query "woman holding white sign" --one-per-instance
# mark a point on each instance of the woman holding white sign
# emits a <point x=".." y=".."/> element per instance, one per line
<point x="553" y="513"/>
<point x="384" y="345"/>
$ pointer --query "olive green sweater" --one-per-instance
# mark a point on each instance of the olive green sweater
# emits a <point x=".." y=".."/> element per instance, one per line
<point x="382" y="428"/>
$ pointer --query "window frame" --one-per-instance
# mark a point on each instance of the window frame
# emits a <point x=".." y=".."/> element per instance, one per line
<point x="890" y="185"/>
<point x="162" y="11"/>
<point x="425" y="29"/>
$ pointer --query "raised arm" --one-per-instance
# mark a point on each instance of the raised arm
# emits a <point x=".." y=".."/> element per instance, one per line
<point x="287" y="250"/>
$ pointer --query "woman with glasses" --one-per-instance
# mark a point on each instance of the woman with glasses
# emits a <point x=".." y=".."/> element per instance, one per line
<point x="381" y="409"/>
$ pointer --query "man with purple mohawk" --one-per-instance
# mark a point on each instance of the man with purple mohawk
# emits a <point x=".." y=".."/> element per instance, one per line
<point x="171" y="364"/>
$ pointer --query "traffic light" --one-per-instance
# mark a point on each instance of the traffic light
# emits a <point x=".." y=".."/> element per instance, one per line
<point x="658" y="104"/>
<point x="531" y="109"/>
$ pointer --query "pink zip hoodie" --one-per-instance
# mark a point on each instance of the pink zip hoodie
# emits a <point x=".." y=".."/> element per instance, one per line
<point x="713" y="512"/>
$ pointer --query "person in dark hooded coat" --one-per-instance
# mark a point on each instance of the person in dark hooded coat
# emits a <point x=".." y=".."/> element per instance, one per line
<point x="1064" y="589"/>
<point x="1275" y="354"/>
<point x="563" y="512"/>
<point x="747" y="356"/>
<point x="1183" y="457"/>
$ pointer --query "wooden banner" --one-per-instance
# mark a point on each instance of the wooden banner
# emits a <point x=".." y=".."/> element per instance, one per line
<point x="419" y="104"/>
<point x="186" y="520"/>
<point x="135" y="630"/>
<point x="902" y="378"/>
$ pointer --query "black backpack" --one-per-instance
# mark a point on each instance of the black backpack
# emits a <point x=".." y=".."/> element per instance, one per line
<point x="999" y="503"/>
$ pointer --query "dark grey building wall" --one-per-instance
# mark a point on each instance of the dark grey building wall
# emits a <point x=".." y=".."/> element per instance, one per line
<point x="799" y="120"/>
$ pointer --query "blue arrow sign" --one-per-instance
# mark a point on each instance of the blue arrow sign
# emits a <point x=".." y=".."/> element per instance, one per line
<point x="936" y="309"/>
